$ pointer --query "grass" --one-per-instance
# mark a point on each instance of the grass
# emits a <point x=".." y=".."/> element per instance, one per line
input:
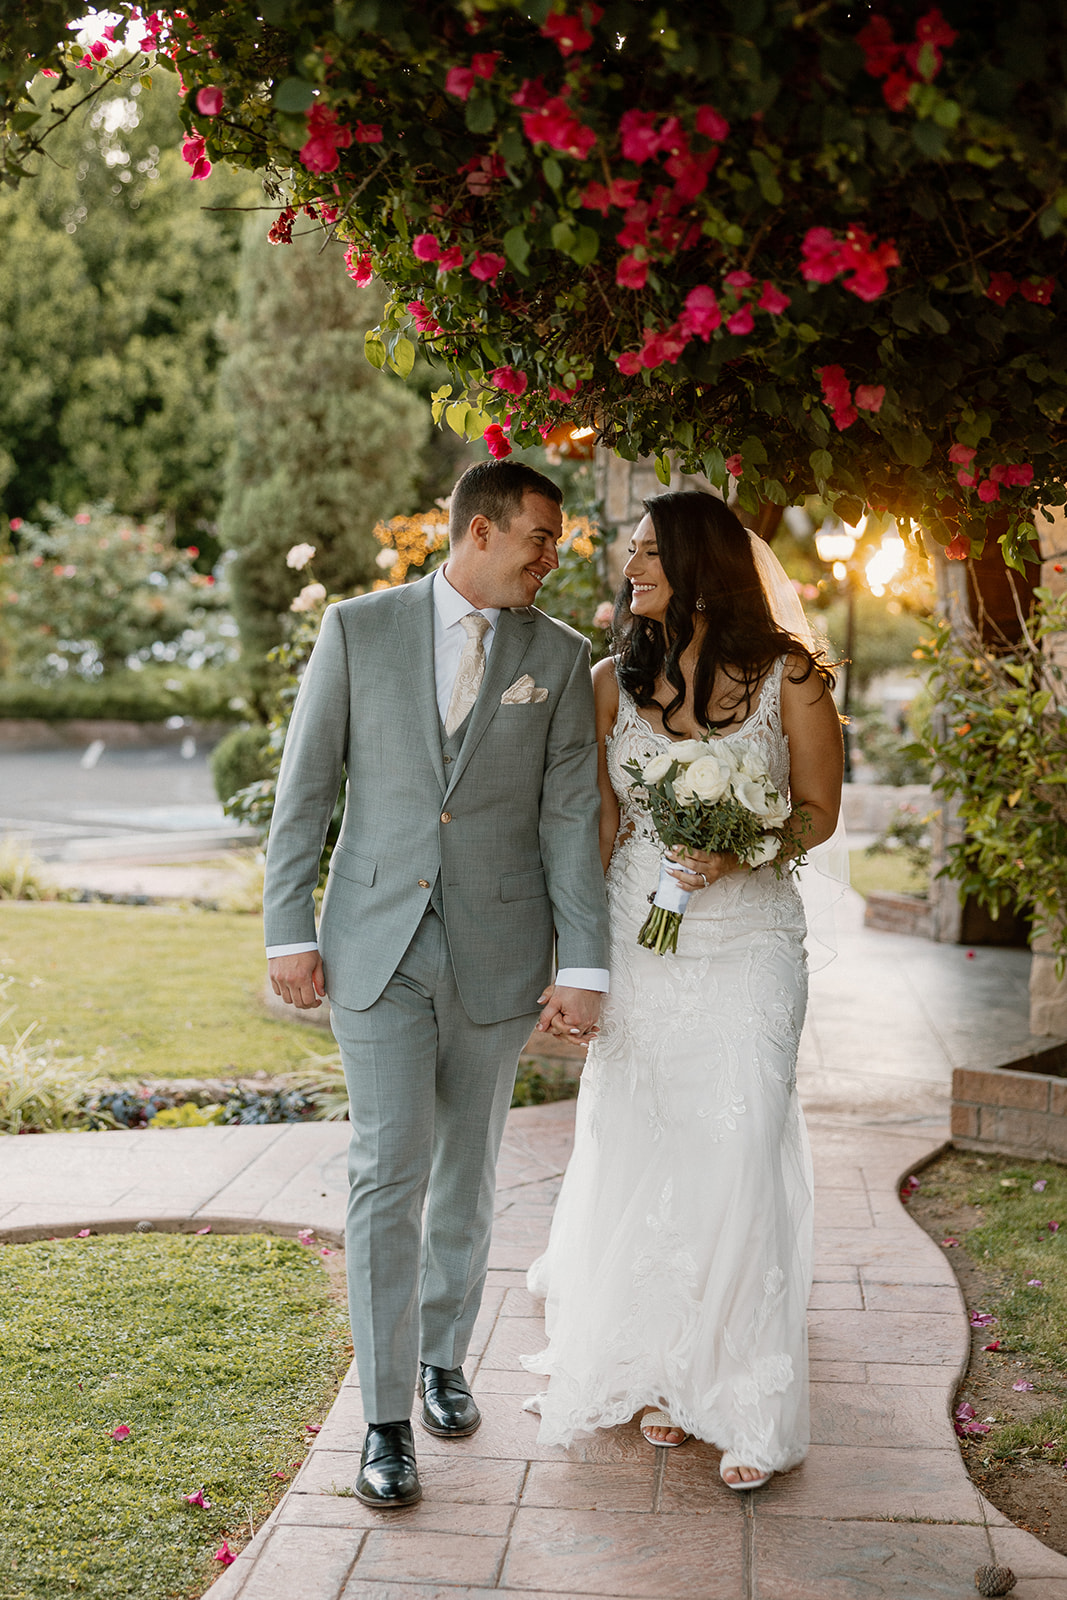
<point x="148" y="991"/>
<point x="215" y="1352"/>
<point x="1013" y="1241"/>
<point x="891" y="873"/>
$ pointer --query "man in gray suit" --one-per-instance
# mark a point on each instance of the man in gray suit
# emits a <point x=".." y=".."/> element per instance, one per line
<point x="463" y="720"/>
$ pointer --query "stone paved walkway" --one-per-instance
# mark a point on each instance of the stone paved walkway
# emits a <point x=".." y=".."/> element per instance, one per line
<point x="881" y="1507"/>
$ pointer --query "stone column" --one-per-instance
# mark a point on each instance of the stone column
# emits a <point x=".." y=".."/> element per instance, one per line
<point x="1048" y="994"/>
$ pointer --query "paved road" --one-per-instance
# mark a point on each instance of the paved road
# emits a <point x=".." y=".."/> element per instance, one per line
<point x="70" y="805"/>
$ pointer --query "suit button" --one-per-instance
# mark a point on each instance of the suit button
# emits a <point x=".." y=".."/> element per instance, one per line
<point x="424" y="883"/>
<point x="446" y="816"/>
<point x="447" y="760"/>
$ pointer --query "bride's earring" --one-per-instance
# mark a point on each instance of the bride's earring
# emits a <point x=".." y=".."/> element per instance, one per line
<point x="700" y="604"/>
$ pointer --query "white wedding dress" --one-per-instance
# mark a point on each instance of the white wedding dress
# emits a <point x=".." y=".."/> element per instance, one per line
<point x="679" y="1264"/>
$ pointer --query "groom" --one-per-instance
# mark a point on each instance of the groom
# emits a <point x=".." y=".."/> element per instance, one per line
<point x="463" y="721"/>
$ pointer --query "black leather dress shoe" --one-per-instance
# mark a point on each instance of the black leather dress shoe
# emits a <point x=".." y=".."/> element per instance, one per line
<point x="448" y="1408"/>
<point x="388" y="1477"/>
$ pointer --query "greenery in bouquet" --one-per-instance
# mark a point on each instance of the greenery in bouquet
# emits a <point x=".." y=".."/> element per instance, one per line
<point x="711" y="795"/>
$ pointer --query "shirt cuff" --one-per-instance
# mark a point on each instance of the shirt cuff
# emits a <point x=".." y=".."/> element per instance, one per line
<point x="290" y="949"/>
<point x="583" y="978"/>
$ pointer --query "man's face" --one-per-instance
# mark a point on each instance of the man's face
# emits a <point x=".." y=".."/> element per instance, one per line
<point x="516" y="560"/>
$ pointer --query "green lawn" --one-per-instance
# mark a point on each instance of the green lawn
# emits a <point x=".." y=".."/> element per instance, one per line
<point x="892" y="873"/>
<point x="214" y="1352"/>
<point x="147" y="991"/>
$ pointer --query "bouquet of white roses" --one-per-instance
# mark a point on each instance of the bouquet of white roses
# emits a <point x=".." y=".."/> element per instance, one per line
<point x="714" y="795"/>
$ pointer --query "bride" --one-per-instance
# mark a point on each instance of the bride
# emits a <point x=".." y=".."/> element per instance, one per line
<point x="678" y="1268"/>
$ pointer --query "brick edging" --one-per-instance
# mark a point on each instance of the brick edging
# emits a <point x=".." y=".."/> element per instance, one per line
<point x="1010" y="1112"/>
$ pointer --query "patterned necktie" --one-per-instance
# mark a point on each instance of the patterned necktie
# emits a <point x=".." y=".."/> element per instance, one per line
<point x="471" y="670"/>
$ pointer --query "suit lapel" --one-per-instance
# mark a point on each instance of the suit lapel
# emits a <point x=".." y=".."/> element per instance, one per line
<point x="514" y="632"/>
<point x="415" y="624"/>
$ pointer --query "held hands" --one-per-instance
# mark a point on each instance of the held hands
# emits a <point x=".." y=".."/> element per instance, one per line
<point x="698" y="870"/>
<point x="570" y="1014"/>
<point x="299" y="979"/>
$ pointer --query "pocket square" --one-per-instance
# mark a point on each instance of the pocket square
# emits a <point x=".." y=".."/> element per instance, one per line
<point x="523" y="692"/>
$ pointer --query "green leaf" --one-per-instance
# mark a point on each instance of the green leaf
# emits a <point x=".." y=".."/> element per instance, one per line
<point x="23" y="120"/>
<point x="715" y="467"/>
<point x="564" y="237"/>
<point x="928" y="138"/>
<point x="403" y="357"/>
<point x="947" y="113"/>
<point x="373" y="348"/>
<point x="294" y="95"/>
<point x="553" y="172"/>
<point x="663" y="469"/>
<point x="754" y="451"/>
<point x="481" y="113"/>
<point x="456" y="417"/>
<point x="517" y="248"/>
<point x="769" y="187"/>
<point x="273" y="11"/>
<point x="822" y="464"/>
<point x="913" y="448"/>
<point x="585" y="250"/>
<point x="1049" y="222"/>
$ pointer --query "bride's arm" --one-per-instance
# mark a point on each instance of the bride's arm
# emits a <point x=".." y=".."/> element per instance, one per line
<point x="811" y="722"/>
<point x="606" y="694"/>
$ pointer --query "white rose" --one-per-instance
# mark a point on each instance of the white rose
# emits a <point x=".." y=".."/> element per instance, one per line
<point x="299" y="556"/>
<point x="708" y="778"/>
<point x="778" y="808"/>
<point x="744" y="759"/>
<point x="683" y="790"/>
<point x="387" y="558"/>
<point x="766" y="850"/>
<point x="751" y="795"/>
<point x="687" y="750"/>
<point x="310" y="596"/>
<point x="657" y="768"/>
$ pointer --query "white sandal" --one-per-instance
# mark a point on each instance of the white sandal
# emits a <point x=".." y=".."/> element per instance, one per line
<point x="731" y="1461"/>
<point x="660" y="1419"/>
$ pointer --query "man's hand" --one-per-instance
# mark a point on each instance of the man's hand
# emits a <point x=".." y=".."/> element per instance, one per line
<point x="570" y="1014"/>
<point x="298" y="980"/>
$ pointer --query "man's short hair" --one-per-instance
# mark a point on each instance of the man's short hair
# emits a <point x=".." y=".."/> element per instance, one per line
<point x="495" y="489"/>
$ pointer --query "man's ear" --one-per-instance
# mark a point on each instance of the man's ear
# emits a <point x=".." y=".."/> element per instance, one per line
<point x="478" y="530"/>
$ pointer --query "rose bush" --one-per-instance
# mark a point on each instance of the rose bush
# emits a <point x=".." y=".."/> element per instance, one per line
<point x="811" y="249"/>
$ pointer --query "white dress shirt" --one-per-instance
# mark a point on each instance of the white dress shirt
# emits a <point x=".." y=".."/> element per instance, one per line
<point x="449" y="638"/>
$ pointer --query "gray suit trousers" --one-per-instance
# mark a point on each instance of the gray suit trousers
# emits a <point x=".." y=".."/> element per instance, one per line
<point x="429" y="1091"/>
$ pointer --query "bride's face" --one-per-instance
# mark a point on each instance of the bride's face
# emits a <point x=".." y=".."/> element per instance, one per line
<point x="649" y="590"/>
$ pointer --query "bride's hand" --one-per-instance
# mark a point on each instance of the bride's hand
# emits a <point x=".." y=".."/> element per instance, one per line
<point x="698" y="870"/>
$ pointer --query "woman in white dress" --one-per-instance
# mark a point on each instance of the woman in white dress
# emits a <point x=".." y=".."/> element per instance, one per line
<point x="678" y="1269"/>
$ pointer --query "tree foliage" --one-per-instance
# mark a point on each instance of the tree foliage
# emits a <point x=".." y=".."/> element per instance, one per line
<point x="814" y="248"/>
<point x="113" y="283"/>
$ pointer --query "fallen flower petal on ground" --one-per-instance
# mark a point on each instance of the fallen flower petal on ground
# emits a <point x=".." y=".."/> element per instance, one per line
<point x="224" y="1554"/>
<point x="121" y="1432"/>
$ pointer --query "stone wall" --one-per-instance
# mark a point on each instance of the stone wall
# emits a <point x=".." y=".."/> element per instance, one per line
<point x="1014" y="1112"/>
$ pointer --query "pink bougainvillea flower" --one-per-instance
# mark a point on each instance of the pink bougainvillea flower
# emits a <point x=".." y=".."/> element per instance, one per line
<point x="869" y="396"/>
<point x="209" y="101"/>
<point x="121" y="1432"/>
<point x="879" y="50"/>
<point x="933" y="29"/>
<point x="635" y="231"/>
<point x="1034" y="1283"/>
<point x="896" y="90"/>
<point x="1053" y="1227"/>
<point x="556" y="125"/>
<point x="868" y="264"/>
<point x="995" y="1345"/>
<point x="367" y="133"/>
<point x="822" y="256"/>
<point x="284" y="1476"/>
<point x="662" y="344"/>
<point x="306" y="1236"/>
<point x="1040" y="1185"/>
<point x="568" y="33"/>
<point x="949" y="1244"/>
<point x="835" y="385"/>
<point x="313" y="1427"/>
<point x="702" y="314"/>
<point x="962" y="453"/>
<point x="487" y="267"/>
<point x="450" y="259"/>
<point x="1039" y="293"/>
<point x="530" y="93"/>
<point x="631" y="272"/>
<point x="712" y="124"/>
<point x="325" y="138"/>
<point x="1022" y="1387"/>
<point x="496" y="441"/>
<point x="197" y="1499"/>
<point x="735" y="466"/>
<point x="509" y="379"/>
<point x="1001" y="287"/>
<point x="224" y="1554"/>
<point x="425" y="322"/>
<point x="564" y="396"/>
<point x="967" y="479"/>
<point x="988" y="491"/>
<point x="772" y="299"/>
<point x="1018" y="476"/>
<point x="739" y="280"/>
<point x="690" y="174"/>
<point x="84" y="1233"/>
<point x="639" y="139"/>
<point x="483" y="65"/>
<point x="326" y="1251"/>
<point x="424" y="247"/>
<point x="459" y="81"/>
<point x="629" y="362"/>
<point x="194" y="152"/>
<point x="981" y="1319"/>
<point x="46" y="72"/>
<point x="741" y="322"/>
<point x="911" y="1185"/>
<point x="204" y="1230"/>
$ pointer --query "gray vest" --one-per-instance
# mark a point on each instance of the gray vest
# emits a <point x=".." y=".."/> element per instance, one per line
<point x="450" y="749"/>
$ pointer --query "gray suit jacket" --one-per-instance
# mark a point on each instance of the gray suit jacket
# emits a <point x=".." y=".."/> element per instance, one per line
<point x="511" y="825"/>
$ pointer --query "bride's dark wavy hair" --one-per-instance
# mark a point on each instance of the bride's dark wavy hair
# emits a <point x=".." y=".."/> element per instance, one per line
<point x="706" y="555"/>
